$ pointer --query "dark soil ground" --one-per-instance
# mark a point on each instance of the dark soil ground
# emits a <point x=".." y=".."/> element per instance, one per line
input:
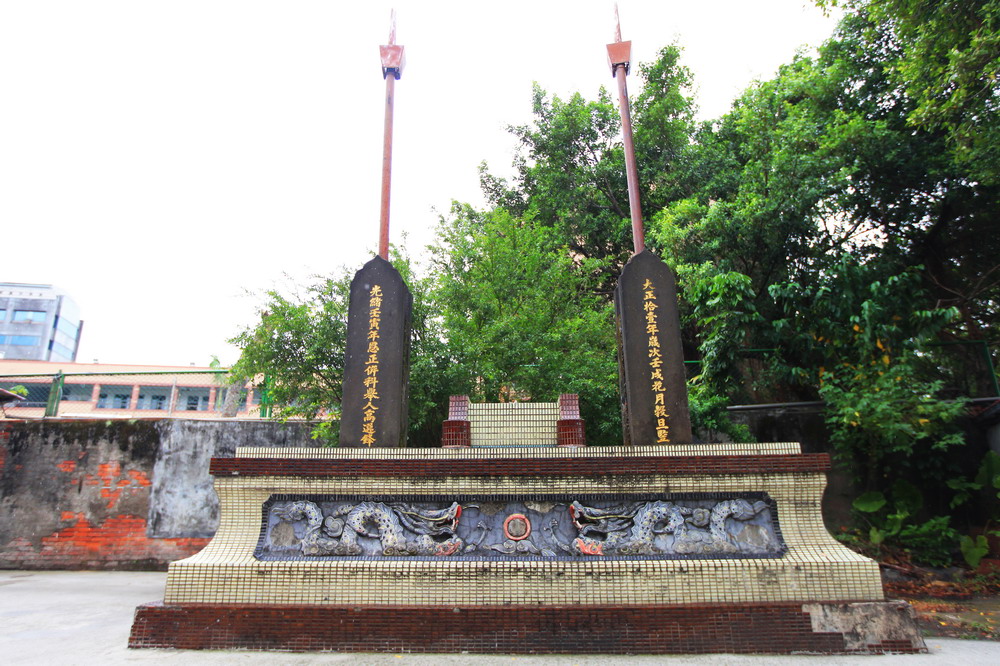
<point x="950" y="604"/>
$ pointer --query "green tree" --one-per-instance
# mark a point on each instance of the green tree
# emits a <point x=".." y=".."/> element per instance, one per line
<point x="295" y="352"/>
<point x="570" y="173"/>
<point x="761" y="191"/>
<point x="856" y="334"/>
<point x="822" y="160"/>
<point x="949" y="64"/>
<point x="920" y="205"/>
<point x="522" y="317"/>
<point x="298" y="346"/>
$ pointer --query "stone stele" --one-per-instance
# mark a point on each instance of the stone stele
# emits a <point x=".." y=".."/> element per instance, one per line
<point x="377" y="359"/>
<point x="650" y="357"/>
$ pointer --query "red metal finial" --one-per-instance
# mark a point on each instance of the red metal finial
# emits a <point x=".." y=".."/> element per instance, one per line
<point x="393" y="60"/>
<point x="619" y="57"/>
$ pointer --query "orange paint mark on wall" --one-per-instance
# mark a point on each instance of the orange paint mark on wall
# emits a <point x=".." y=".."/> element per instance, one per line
<point x="67" y="466"/>
<point x="83" y="536"/>
<point x="113" y="480"/>
<point x="69" y="515"/>
<point x="140" y="477"/>
<point x="111" y="495"/>
<point x="109" y="471"/>
<point x="120" y="539"/>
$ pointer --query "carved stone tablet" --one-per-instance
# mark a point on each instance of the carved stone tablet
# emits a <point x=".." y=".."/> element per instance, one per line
<point x="650" y="357"/>
<point x="377" y="359"/>
<point x="663" y="526"/>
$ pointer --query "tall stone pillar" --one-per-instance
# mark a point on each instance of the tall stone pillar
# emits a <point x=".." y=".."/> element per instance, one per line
<point x="650" y="356"/>
<point x="377" y="359"/>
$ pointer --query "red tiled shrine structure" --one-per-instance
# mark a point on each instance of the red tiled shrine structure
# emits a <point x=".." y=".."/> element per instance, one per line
<point x="513" y="423"/>
<point x="503" y="541"/>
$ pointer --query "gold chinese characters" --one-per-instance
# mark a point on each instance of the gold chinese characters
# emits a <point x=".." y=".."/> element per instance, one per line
<point x="371" y="367"/>
<point x="650" y="306"/>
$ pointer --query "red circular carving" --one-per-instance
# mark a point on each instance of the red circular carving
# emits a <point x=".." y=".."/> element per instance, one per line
<point x="517" y="527"/>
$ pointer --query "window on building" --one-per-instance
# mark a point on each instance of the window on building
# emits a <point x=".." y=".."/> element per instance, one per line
<point x="78" y="392"/>
<point x="3" y="314"/>
<point x="67" y="327"/>
<point x="29" y="316"/>
<point x="64" y="339"/>
<point x="192" y="398"/>
<point x="3" y="339"/>
<point x="153" y="397"/>
<point x="114" y="397"/>
<point x="25" y="340"/>
<point x="64" y="352"/>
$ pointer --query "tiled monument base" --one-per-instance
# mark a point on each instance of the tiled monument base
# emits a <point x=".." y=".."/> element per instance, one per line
<point x="702" y="548"/>
<point x="605" y="629"/>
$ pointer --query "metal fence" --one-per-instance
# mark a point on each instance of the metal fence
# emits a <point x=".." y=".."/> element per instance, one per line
<point x="196" y="394"/>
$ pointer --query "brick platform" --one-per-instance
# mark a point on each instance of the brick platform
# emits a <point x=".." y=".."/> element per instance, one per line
<point x="813" y="595"/>
<point x="503" y="467"/>
<point x="604" y="629"/>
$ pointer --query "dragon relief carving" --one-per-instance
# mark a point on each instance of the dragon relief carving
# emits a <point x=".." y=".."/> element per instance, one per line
<point x="401" y="530"/>
<point x="632" y="529"/>
<point x="566" y="529"/>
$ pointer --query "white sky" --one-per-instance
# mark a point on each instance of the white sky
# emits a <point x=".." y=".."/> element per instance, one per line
<point x="160" y="158"/>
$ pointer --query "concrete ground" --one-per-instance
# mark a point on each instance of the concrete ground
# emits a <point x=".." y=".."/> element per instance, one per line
<point x="84" y="617"/>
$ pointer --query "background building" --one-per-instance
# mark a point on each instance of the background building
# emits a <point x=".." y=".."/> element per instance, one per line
<point x="38" y="322"/>
<point x="116" y="391"/>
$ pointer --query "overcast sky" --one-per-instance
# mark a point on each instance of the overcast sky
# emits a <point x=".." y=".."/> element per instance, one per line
<point x="159" y="159"/>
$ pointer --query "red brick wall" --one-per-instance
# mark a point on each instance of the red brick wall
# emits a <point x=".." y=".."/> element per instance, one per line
<point x="76" y="496"/>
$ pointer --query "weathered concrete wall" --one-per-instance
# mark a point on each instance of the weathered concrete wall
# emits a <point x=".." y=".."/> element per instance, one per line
<point x="183" y="503"/>
<point x="803" y="423"/>
<point x="115" y="494"/>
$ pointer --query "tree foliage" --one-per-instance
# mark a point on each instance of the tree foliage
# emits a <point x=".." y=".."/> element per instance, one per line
<point x="522" y="316"/>
<point x="824" y="160"/>
<point x="569" y="173"/>
<point x="948" y="63"/>
<point x="841" y="214"/>
<point x="856" y="334"/>
<point x="295" y="351"/>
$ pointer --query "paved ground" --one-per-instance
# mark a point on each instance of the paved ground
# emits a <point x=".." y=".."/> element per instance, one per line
<point x="84" y="617"/>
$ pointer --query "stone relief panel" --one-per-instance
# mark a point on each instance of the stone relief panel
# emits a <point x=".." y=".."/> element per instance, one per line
<point x="704" y="525"/>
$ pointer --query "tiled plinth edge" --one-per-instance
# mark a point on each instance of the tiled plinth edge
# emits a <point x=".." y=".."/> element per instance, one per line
<point x="776" y="628"/>
<point x="812" y="567"/>
<point x="282" y="572"/>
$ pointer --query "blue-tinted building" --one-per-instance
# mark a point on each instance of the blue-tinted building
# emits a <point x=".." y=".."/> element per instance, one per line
<point x="38" y="322"/>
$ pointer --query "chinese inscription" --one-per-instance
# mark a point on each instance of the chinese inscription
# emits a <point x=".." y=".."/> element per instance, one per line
<point x="649" y="307"/>
<point x="371" y="367"/>
<point x="650" y="355"/>
<point x="373" y="411"/>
